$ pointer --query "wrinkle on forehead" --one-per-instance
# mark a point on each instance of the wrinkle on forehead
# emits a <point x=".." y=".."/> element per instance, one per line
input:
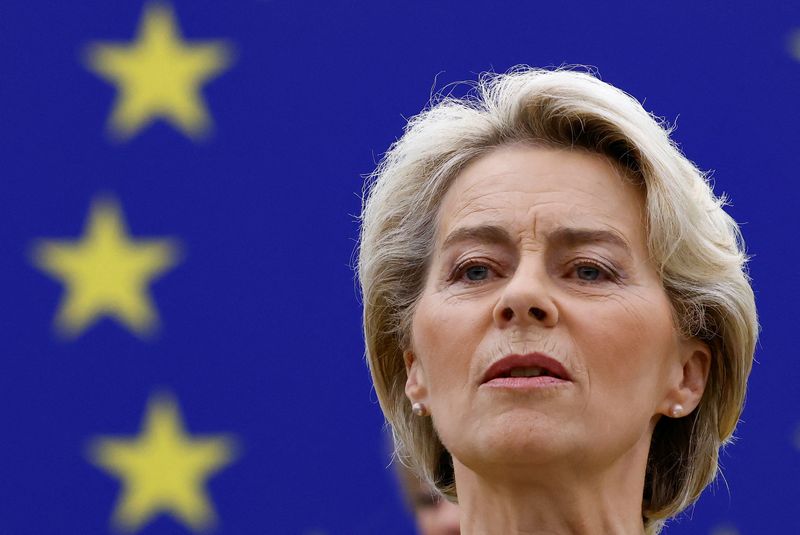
<point x="536" y="188"/>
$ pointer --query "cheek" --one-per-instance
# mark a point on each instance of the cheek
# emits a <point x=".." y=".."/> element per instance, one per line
<point x="445" y="334"/>
<point x="426" y="519"/>
<point x="625" y="343"/>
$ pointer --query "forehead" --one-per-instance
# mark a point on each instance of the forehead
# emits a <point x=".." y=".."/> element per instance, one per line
<point x="534" y="188"/>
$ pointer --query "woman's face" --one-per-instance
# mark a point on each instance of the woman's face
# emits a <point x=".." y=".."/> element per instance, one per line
<point x="543" y="333"/>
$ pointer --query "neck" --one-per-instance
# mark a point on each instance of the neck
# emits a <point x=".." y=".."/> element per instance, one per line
<point x="537" y="500"/>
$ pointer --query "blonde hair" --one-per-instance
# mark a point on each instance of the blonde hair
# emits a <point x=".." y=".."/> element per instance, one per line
<point x="695" y="245"/>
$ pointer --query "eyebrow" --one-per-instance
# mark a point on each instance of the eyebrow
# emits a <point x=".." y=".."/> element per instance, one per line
<point x="480" y="233"/>
<point x="580" y="236"/>
<point x="569" y="236"/>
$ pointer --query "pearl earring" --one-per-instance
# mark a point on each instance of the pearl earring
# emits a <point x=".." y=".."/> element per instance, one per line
<point x="419" y="409"/>
<point x="676" y="411"/>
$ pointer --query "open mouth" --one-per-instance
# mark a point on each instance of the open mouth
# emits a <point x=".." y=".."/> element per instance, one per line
<point x="514" y="369"/>
<point x="530" y="371"/>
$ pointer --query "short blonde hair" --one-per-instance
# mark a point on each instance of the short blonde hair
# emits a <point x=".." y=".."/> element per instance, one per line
<point x="695" y="245"/>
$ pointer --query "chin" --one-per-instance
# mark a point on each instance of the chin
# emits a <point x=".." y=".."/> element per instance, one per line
<point x="518" y="437"/>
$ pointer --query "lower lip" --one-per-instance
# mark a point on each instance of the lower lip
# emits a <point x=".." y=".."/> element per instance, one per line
<point x="543" y="381"/>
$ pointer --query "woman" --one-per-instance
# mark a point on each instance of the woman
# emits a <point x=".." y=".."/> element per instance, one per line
<point x="557" y="316"/>
<point x="433" y="515"/>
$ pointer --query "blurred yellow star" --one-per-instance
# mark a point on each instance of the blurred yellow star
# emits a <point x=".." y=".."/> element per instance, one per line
<point x="105" y="273"/>
<point x="794" y="44"/>
<point x="725" y="529"/>
<point x="163" y="469"/>
<point x="159" y="75"/>
<point x="797" y="436"/>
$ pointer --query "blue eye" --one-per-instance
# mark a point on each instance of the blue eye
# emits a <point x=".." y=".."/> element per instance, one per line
<point x="588" y="273"/>
<point x="474" y="271"/>
<point x="477" y="273"/>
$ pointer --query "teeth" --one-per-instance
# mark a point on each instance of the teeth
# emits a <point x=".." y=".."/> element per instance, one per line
<point x="533" y="371"/>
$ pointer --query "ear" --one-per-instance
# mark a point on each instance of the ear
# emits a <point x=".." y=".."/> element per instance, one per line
<point x="416" y="384"/>
<point x="687" y="391"/>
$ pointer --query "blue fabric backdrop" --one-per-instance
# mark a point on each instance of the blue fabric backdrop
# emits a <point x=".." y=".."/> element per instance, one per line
<point x="220" y="209"/>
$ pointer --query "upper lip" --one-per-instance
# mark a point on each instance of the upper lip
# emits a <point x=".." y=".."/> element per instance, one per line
<point x="504" y="366"/>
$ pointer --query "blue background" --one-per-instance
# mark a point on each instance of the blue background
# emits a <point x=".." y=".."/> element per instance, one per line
<point x="260" y="325"/>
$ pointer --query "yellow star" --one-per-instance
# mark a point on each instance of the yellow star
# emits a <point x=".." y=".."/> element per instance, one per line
<point x="163" y="469"/>
<point x="105" y="273"/>
<point x="159" y="75"/>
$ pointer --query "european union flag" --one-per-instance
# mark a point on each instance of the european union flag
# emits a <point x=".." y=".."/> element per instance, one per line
<point x="182" y="347"/>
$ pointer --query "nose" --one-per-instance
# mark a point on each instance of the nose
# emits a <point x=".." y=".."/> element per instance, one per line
<point x="526" y="300"/>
